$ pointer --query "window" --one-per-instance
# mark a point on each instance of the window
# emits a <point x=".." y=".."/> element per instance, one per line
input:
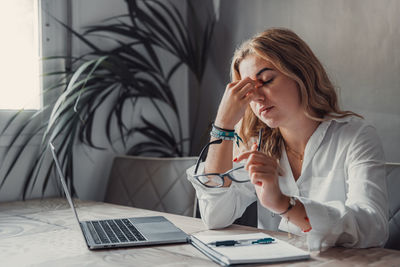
<point x="19" y="53"/>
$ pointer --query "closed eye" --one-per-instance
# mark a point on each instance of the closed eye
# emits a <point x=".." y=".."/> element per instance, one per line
<point x="267" y="82"/>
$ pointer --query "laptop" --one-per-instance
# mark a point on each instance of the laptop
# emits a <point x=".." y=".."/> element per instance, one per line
<point x="123" y="232"/>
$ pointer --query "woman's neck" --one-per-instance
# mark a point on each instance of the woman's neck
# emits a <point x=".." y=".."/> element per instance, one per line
<point x="297" y="135"/>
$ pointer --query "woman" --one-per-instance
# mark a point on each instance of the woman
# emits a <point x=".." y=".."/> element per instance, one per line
<point x="319" y="171"/>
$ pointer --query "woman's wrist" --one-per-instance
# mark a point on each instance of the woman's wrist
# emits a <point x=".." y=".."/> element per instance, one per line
<point x="282" y="205"/>
<point x="223" y="129"/>
<point x="224" y="125"/>
<point x="292" y="203"/>
<point x="225" y="134"/>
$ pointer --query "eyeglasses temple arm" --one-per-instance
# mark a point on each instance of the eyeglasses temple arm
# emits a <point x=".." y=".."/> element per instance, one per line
<point x="218" y="141"/>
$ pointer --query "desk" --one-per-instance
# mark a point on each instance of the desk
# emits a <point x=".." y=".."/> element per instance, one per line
<point x="44" y="233"/>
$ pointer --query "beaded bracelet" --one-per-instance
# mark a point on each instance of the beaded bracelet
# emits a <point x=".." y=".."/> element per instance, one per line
<point x="225" y="134"/>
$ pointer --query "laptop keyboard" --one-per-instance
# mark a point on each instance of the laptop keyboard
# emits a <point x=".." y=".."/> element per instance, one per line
<point x="114" y="231"/>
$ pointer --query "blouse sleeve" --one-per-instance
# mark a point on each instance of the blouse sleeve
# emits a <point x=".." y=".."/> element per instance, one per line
<point x="362" y="221"/>
<point x="220" y="207"/>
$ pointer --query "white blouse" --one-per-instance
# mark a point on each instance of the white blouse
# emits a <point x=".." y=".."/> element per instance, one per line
<point x="342" y="187"/>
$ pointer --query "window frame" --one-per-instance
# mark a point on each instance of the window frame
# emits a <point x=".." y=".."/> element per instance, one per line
<point x="53" y="40"/>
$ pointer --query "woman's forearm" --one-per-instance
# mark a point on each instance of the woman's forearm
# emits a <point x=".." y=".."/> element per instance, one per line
<point x="219" y="158"/>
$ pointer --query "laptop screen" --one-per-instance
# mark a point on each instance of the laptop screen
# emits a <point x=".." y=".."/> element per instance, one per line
<point x="63" y="183"/>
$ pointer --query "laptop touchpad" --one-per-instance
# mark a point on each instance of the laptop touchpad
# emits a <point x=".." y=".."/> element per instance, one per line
<point x="157" y="227"/>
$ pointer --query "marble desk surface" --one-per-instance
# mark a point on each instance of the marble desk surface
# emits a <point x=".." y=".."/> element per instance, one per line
<point x="45" y="233"/>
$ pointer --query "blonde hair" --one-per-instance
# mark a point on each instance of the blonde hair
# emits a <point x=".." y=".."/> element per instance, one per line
<point x="293" y="57"/>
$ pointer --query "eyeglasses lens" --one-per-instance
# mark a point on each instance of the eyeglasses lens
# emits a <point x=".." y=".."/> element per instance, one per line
<point x="240" y="175"/>
<point x="211" y="180"/>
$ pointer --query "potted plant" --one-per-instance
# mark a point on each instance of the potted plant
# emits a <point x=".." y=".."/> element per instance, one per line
<point x="111" y="80"/>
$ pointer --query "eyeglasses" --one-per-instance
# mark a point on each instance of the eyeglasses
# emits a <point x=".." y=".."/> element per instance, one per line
<point x="214" y="180"/>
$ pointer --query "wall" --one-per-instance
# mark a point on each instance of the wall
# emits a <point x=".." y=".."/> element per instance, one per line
<point x="358" y="42"/>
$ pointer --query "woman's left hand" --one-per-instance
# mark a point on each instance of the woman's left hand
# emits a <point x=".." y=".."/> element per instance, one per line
<point x="264" y="171"/>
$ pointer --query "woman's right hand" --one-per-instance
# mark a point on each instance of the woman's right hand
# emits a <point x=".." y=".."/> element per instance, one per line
<point x="234" y="102"/>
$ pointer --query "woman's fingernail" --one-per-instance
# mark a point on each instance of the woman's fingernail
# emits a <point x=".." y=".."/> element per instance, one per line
<point x="235" y="159"/>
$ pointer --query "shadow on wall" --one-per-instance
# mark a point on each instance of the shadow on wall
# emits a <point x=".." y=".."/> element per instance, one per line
<point x="216" y="77"/>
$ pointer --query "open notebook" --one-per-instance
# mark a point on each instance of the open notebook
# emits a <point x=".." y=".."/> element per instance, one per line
<point x="246" y="252"/>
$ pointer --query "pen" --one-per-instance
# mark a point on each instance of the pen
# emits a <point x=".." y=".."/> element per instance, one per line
<point x="259" y="139"/>
<point x="230" y="243"/>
